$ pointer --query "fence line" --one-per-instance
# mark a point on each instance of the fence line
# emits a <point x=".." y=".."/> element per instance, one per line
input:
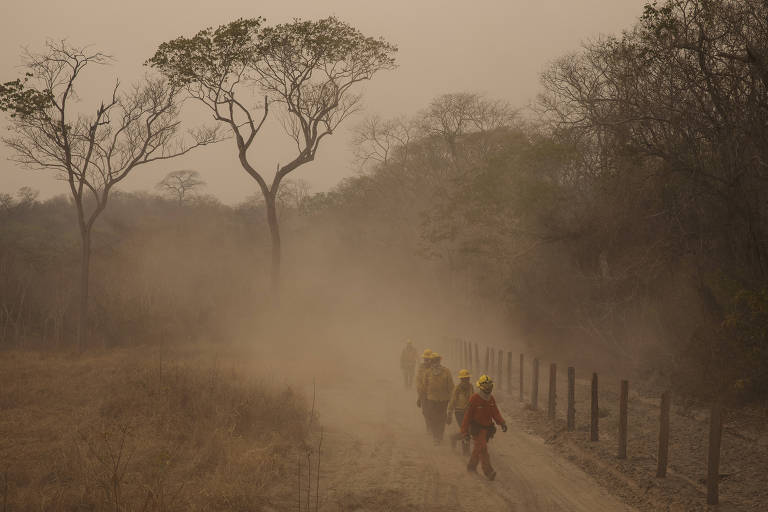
<point x="466" y="354"/>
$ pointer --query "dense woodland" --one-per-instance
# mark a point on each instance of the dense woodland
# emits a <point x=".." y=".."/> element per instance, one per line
<point x="624" y="214"/>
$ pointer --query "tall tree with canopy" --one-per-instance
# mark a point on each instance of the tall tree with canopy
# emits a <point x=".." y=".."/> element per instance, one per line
<point x="92" y="153"/>
<point x="308" y="68"/>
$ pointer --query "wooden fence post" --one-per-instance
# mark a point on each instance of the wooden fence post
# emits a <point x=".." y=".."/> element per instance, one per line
<point x="464" y="354"/>
<point x="500" y="364"/>
<point x="467" y="357"/>
<point x="491" y="365"/>
<point x="522" y="375"/>
<point x="713" y="459"/>
<point x="661" y="468"/>
<point x="535" y="384"/>
<point x="623" y="410"/>
<point x="552" y="391"/>
<point x="571" y="398"/>
<point x="509" y="372"/>
<point x="479" y="361"/>
<point x="455" y="354"/>
<point x="594" y="434"/>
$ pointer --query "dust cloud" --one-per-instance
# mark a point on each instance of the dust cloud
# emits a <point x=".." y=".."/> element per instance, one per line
<point x="345" y="313"/>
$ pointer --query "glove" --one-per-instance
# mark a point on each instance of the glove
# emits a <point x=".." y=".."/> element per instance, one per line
<point x="448" y="419"/>
<point x="418" y="402"/>
<point x="503" y="427"/>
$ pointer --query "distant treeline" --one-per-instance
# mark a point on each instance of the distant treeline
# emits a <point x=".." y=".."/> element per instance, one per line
<point x="162" y="269"/>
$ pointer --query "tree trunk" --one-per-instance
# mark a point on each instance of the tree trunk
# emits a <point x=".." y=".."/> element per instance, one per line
<point x="85" y="264"/>
<point x="274" y="231"/>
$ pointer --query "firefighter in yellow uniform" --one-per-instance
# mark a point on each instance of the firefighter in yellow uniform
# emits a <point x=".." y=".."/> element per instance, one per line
<point x="438" y="386"/>
<point x="426" y="361"/>
<point x="458" y="404"/>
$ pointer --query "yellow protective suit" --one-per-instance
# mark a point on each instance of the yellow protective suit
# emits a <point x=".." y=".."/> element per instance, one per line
<point x="460" y="396"/>
<point x="420" y="375"/>
<point x="438" y="384"/>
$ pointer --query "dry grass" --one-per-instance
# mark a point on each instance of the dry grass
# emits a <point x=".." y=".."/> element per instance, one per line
<point x="123" y="431"/>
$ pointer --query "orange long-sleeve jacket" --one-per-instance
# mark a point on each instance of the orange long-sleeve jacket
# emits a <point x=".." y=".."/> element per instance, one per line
<point x="481" y="411"/>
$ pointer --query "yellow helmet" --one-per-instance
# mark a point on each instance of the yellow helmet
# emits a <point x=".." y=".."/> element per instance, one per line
<point x="485" y="383"/>
<point x="435" y="355"/>
<point x="464" y="374"/>
<point x="408" y="342"/>
<point x="427" y="354"/>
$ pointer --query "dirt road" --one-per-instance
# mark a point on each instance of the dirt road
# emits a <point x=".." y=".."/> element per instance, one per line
<point x="377" y="456"/>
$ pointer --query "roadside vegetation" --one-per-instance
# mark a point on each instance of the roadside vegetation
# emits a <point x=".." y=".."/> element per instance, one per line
<point x="132" y="430"/>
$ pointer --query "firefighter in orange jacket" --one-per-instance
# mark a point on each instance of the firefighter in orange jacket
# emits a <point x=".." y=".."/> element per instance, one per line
<point x="479" y="423"/>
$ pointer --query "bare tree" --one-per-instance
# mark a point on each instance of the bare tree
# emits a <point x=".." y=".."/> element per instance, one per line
<point x="27" y="195"/>
<point x="309" y="68"/>
<point x="292" y="194"/>
<point x="92" y="153"/>
<point x="449" y="117"/>
<point x="448" y="137"/>
<point x="380" y="141"/>
<point x="179" y="184"/>
<point x="290" y="198"/>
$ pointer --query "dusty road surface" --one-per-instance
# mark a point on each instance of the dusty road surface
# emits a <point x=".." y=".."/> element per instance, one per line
<point x="377" y="456"/>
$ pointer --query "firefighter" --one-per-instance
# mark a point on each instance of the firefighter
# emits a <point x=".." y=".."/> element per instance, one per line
<point x="426" y="361"/>
<point x="438" y="386"/>
<point x="408" y="359"/>
<point x="479" y="424"/>
<point x="458" y="405"/>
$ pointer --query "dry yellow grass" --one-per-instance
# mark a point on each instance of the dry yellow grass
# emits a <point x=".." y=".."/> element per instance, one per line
<point x="123" y="431"/>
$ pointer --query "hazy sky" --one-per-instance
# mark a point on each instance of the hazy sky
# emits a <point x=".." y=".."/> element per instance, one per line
<point x="494" y="47"/>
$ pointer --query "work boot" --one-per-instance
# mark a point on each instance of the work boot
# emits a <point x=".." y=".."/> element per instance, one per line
<point x="471" y="469"/>
<point x="491" y="475"/>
